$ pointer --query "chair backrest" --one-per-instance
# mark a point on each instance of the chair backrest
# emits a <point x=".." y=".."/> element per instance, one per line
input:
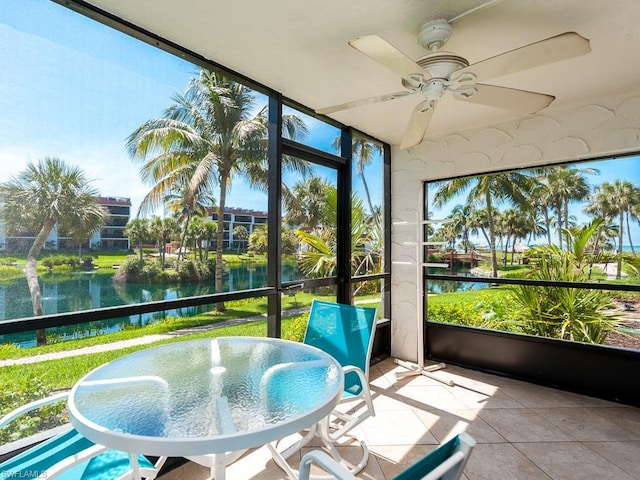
<point x="445" y="463"/>
<point x="345" y="332"/>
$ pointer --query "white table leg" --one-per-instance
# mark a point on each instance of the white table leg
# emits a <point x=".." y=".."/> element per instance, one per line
<point x="221" y="466"/>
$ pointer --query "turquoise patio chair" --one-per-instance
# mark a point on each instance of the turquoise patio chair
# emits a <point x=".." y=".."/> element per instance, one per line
<point x="71" y="456"/>
<point x="345" y="332"/>
<point x="445" y="463"/>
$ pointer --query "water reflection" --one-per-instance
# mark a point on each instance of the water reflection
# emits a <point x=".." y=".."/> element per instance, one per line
<point x="85" y="291"/>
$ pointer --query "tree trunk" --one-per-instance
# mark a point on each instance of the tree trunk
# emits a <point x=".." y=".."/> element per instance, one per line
<point x="559" y="227"/>
<point x="547" y="223"/>
<point x="492" y="236"/>
<point x="182" y="248"/>
<point x="620" y="236"/>
<point x="220" y="240"/>
<point x="31" y="271"/>
<point x="633" y="251"/>
<point x="364" y="180"/>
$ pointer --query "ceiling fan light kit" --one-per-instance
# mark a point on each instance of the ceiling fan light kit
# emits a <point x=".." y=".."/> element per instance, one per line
<point x="439" y="72"/>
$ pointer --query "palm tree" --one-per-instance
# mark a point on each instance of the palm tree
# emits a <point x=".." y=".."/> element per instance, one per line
<point x="364" y="151"/>
<point x="305" y="203"/>
<point x="210" y="135"/>
<point x="43" y="196"/>
<point x="240" y="232"/>
<point x="162" y="230"/>
<point x="513" y="187"/>
<point x="478" y="223"/>
<point x="566" y="184"/>
<point x="515" y="225"/>
<point x="320" y="259"/>
<point x="138" y="230"/>
<point x="542" y="200"/>
<point x="460" y="216"/>
<point x="617" y="198"/>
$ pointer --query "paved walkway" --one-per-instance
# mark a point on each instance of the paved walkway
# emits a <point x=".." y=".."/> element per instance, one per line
<point x="611" y="269"/>
<point x="145" y="340"/>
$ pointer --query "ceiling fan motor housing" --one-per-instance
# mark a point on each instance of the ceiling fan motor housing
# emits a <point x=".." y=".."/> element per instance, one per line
<point x="434" y="34"/>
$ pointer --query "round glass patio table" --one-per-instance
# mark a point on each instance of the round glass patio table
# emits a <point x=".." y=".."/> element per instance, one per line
<point x="207" y="396"/>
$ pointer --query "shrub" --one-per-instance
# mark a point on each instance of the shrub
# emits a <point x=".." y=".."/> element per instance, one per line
<point x="17" y="394"/>
<point x="481" y="310"/>
<point x="296" y="326"/>
<point x="583" y="315"/>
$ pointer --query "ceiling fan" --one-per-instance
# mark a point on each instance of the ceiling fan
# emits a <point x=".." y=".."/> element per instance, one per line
<point x="441" y="72"/>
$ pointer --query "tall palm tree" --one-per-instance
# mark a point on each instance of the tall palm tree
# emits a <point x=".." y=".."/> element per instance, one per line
<point x="513" y="187"/>
<point x="617" y="198"/>
<point x="461" y="215"/>
<point x="320" y="260"/>
<point x="138" y="230"/>
<point x="364" y="151"/>
<point x="542" y="199"/>
<point x="305" y="203"/>
<point x="566" y="185"/>
<point x="43" y="196"/>
<point x="162" y="230"/>
<point x="210" y="135"/>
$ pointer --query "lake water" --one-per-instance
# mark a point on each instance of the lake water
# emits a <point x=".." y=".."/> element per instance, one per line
<point x="90" y="290"/>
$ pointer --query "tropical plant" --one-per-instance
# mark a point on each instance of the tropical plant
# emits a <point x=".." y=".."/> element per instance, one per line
<point x="320" y="260"/>
<point x="616" y="199"/>
<point x="258" y="240"/>
<point x="566" y="185"/>
<point x="210" y="135"/>
<point x="487" y="190"/>
<point x="305" y="203"/>
<point x="163" y="230"/>
<point x="240" y="232"/>
<point x="364" y="151"/>
<point x="43" y="196"/>
<point x="138" y="230"/>
<point x="584" y="315"/>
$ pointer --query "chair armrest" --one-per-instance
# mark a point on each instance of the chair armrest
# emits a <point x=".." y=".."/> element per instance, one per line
<point x="73" y="460"/>
<point x="444" y="467"/>
<point x="18" y="412"/>
<point x="326" y="462"/>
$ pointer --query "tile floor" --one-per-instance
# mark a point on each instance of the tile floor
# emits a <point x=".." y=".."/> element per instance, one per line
<point x="524" y="431"/>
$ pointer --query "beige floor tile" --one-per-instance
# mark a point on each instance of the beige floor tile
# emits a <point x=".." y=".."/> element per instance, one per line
<point x="536" y="396"/>
<point x="474" y="398"/>
<point x="625" y="455"/>
<point x="623" y="416"/>
<point x="493" y="461"/>
<point x="433" y="396"/>
<point x="571" y="461"/>
<point x="391" y="460"/>
<point x="444" y="425"/>
<point x="583" y="425"/>
<point x="398" y="428"/>
<point x="522" y="425"/>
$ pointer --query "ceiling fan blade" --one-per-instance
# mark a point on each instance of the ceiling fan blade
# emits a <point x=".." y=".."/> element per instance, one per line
<point x="418" y="124"/>
<point x="510" y="98"/>
<point x="553" y="49"/>
<point x="386" y="54"/>
<point x="363" y="101"/>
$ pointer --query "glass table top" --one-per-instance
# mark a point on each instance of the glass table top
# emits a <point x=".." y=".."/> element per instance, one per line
<point x="206" y="396"/>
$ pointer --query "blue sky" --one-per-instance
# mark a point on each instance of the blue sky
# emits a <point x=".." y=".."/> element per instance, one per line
<point x="607" y="171"/>
<point x="74" y="89"/>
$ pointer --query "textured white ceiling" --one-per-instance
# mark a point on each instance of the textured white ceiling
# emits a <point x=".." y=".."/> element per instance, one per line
<point x="299" y="48"/>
